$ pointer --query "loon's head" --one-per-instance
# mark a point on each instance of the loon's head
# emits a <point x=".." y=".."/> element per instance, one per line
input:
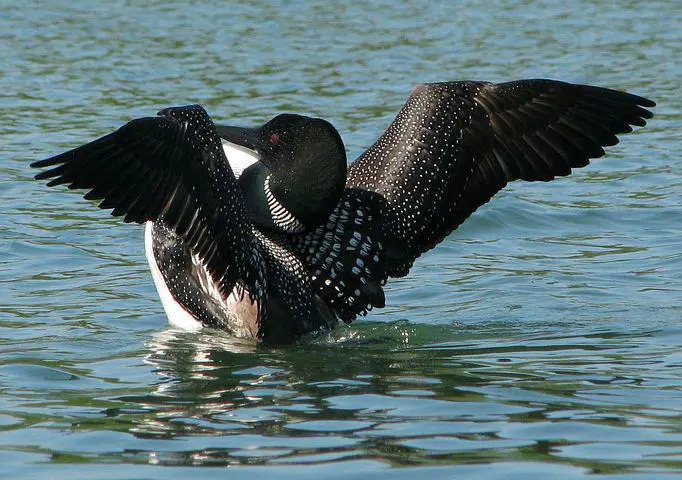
<point x="300" y="173"/>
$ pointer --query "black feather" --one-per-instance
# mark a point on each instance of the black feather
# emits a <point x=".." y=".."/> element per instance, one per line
<point x="529" y="129"/>
<point x="170" y="167"/>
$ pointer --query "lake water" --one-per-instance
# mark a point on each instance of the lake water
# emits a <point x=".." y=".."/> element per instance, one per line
<point x="543" y="339"/>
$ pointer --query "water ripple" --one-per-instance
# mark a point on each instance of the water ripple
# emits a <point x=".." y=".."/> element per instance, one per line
<point x="540" y="340"/>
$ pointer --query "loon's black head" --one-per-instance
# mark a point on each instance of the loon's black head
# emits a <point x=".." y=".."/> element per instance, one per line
<point x="300" y="175"/>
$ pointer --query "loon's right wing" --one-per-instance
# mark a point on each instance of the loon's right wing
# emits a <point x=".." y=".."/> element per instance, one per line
<point x="454" y="145"/>
<point x="171" y="167"/>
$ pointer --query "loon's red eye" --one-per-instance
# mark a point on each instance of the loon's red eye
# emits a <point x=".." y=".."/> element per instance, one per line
<point x="274" y="139"/>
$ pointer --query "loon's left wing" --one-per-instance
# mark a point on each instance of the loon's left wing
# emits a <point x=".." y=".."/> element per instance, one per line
<point x="454" y="145"/>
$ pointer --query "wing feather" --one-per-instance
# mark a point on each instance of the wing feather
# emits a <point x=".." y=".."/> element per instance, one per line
<point x="480" y="137"/>
<point x="170" y="167"/>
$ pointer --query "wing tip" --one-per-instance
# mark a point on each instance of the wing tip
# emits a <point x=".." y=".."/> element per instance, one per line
<point x="626" y="98"/>
<point x="645" y="102"/>
<point x="43" y="175"/>
<point x="56" y="174"/>
<point x="48" y="162"/>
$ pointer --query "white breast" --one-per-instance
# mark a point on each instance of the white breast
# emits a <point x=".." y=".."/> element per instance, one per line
<point x="237" y="305"/>
<point x="239" y="157"/>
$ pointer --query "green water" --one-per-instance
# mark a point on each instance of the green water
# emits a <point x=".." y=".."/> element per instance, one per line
<point x="540" y="340"/>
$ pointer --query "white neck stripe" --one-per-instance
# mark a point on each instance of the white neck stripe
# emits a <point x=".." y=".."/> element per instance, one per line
<point x="281" y="217"/>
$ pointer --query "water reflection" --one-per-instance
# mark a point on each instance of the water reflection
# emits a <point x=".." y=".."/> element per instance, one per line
<point x="540" y="399"/>
<point x="503" y="355"/>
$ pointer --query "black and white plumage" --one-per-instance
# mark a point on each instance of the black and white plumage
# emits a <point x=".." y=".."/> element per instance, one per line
<point x="171" y="168"/>
<point x="454" y="145"/>
<point x="294" y="241"/>
<point x="344" y="255"/>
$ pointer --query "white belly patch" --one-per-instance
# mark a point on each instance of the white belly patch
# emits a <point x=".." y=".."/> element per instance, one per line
<point x="238" y="304"/>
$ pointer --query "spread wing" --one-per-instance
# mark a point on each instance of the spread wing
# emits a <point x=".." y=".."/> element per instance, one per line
<point x="171" y="167"/>
<point x="454" y="145"/>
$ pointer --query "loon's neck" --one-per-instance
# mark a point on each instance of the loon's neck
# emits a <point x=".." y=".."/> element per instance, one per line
<point x="264" y="207"/>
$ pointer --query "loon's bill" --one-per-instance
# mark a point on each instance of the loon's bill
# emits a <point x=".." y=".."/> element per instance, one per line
<point x="268" y="234"/>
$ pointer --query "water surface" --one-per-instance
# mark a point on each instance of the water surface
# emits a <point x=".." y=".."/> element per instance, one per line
<point x="540" y="340"/>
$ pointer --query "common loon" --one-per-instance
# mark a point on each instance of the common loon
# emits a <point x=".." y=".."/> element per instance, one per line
<point x="267" y="233"/>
